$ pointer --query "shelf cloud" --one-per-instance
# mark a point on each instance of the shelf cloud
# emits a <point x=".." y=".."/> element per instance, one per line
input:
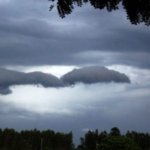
<point x="94" y="74"/>
<point x="9" y="78"/>
<point x="87" y="75"/>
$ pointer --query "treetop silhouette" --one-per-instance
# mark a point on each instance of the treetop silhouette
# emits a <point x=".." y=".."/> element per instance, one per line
<point x="137" y="10"/>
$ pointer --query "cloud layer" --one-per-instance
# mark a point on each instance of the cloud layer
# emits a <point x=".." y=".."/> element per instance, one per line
<point x="31" y="35"/>
<point x="9" y="78"/>
<point x="94" y="74"/>
<point x="86" y="75"/>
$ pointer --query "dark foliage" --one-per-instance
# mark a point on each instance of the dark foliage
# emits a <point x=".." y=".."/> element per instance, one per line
<point x="115" y="131"/>
<point x="114" y="140"/>
<point x="49" y="140"/>
<point x="137" y="10"/>
<point x="118" y="143"/>
<point x="34" y="140"/>
<point x="142" y="139"/>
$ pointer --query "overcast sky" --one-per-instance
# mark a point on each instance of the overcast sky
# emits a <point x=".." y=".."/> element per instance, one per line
<point x="88" y="71"/>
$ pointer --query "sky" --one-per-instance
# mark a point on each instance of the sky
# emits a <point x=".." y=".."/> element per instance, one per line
<point x="90" y="70"/>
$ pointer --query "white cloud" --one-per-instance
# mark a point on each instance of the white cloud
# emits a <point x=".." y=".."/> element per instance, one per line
<point x="77" y="100"/>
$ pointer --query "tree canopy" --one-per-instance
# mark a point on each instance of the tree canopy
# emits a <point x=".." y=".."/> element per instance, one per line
<point x="92" y="140"/>
<point x="137" y="10"/>
<point x="35" y="140"/>
<point x="118" y="143"/>
<point x="115" y="140"/>
<point x="115" y="131"/>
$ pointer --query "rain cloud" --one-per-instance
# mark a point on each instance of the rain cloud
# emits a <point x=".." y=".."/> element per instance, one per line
<point x="87" y="75"/>
<point x="94" y="74"/>
<point x="9" y="78"/>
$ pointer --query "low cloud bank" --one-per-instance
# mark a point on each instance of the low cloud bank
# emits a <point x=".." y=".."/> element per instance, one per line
<point x="86" y="75"/>
<point x="9" y="78"/>
<point x="94" y="74"/>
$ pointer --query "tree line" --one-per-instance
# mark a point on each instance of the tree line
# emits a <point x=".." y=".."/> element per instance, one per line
<point x="92" y="140"/>
<point x="35" y="140"/>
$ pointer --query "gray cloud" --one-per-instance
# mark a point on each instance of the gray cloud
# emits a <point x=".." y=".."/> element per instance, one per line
<point x="138" y="59"/>
<point x="9" y="78"/>
<point x="4" y="90"/>
<point x="31" y="35"/>
<point x="94" y="74"/>
<point x="86" y="75"/>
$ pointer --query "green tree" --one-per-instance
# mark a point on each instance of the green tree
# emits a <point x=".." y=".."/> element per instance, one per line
<point x="118" y="143"/>
<point x="115" y="131"/>
<point x="1" y="132"/>
<point x="91" y="139"/>
<point x="8" y="138"/>
<point x="48" y="139"/>
<point x="142" y="139"/>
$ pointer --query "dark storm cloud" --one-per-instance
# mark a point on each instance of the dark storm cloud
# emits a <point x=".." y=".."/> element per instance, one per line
<point x="9" y="78"/>
<point x="94" y="74"/>
<point x="31" y="35"/>
<point x="4" y="90"/>
<point x="25" y="28"/>
<point x="85" y="75"/>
